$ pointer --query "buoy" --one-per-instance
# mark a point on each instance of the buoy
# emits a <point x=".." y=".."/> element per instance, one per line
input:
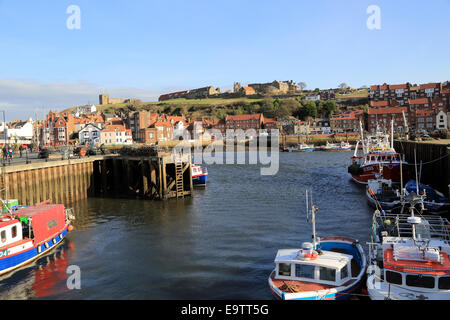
<point x="70" y="228"/>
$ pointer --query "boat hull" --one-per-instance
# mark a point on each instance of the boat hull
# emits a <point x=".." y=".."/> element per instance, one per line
<point x="369" y="172"/>
<point x="388" y="206"/>
<point x="10" y="262"/>
<point x="200" y="180"/>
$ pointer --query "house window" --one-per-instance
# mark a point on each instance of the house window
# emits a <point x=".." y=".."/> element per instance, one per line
<point x="284" y="269"/>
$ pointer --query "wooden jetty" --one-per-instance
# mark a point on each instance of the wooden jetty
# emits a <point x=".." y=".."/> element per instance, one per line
<point x="435" y="162"/>
<point x="158" y="177"/>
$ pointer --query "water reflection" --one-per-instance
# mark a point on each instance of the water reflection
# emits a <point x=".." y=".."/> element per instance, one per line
<point x="44" y="278"/>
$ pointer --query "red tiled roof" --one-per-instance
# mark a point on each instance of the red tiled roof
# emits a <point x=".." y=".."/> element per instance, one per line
<point x="430" y="85"/>
<point x="249" y="89"/>
<point x="398" y="86"/>
<point x="383" y="103"/>
<point x="268" y="120"/>
<point x="390" y="110"/>
<point x="114" y="128"/>
<point x="418" y="101"/>
<point x="241" y="117"/>
<point x="374" y="87"/>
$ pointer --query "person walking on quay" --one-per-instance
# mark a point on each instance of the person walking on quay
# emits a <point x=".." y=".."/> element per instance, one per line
<point x="20" y="150"/>
<point x="11" y="154"/>
<point x="5" y="154"/>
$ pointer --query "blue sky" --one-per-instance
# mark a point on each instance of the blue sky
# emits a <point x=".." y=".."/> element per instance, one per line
<point x="145" y="48"/>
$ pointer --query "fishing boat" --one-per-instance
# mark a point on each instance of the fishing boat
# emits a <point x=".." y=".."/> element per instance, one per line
<point x="409" y="255"/>
<point x="331" y="268"/>
<point x="377" y="150"/>
<point x="31" y="232"/>
<point x="303" y="147"/>
<point x="199" y="175"/>
<point x="381" y="193"/>
<point x="434" y="201"/>
<point x="343" y="146"/>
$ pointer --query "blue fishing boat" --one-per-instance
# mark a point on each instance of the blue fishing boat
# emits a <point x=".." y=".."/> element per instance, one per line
<point x="331" y="268"/>
<point x="30" y="232"/>
<point x="434" y="202"/>
<point x="199" y="175"/>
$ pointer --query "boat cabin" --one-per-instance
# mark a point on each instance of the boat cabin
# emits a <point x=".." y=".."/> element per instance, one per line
<point x="10" y="231"/>
<point x="328" y="268"/>
<point x="412" y="267"/>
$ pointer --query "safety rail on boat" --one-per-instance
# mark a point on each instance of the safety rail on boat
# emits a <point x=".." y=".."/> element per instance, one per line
<point x="439" y="227"/>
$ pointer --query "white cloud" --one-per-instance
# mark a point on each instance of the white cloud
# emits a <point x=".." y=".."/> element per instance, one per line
<point x="24" y="98"/>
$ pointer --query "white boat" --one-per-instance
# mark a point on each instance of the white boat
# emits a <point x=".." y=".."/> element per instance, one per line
<point x="327" y="269"/>
<point x="303" y="147"/>
<point x="343" y="146"/>
<point x="409" y="256"/>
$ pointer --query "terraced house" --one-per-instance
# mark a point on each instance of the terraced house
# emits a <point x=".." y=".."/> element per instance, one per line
<point x="115" y="135"/>
<point x="348" y="121"/>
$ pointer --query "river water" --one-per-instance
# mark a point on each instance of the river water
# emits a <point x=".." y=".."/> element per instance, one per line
<point x="219" y="244"/>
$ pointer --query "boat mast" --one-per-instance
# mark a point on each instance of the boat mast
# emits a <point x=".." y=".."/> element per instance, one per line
<point x="392" y="133"/>
<point x="313" y="218"/>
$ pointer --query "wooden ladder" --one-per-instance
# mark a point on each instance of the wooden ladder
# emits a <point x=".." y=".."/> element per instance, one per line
<point x="179" y="177"/>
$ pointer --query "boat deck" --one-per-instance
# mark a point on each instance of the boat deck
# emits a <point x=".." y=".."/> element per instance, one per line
<point x="294" y="286"/>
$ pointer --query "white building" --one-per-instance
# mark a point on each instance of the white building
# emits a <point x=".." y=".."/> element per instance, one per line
<point x="178" y="130"/>
<point x="313" y="98"/>
<point x="23" y="130"/>
<point x="90" y="134"/>
<point x="441" y="121"/>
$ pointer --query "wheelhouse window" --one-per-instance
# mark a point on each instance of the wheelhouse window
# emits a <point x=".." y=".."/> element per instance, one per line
<point x="284" y="269"/>
<point x="444" y="283"/>
<point x="327" y="274"/>
<point x="344" y="272"/>
<point x="420" y="281"/>
<point x="14" y="232"/>
<point x="393" y="277"/>
<point x="304" y="271"/>
<point x="3" y="236"/>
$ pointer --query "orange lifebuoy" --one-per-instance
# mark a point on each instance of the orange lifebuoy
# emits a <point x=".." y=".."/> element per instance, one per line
<point x="311" y="256"/>
<point x="70" y="228"/>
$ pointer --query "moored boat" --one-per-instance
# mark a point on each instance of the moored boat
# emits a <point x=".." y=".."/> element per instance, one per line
<point x="434" y="201"/>
<point x="343" y="146"/>
<point x="382" y="194"/>
<point x="377" y="151"/>
<point x="199" y="175"/>
<point x="409" y="256"/>
<point x="303" y="147"/>
<point x="30" y="232"/>
<point x="331" y="268"/>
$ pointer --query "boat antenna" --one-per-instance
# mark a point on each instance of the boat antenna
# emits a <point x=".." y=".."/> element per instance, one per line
<point x="415" y="167"/>
<point x="402" y="190"/>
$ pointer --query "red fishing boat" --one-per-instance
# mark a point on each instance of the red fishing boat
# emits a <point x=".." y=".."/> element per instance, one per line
<point x="30" y="232"/>
<point x="377" y="151"/>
